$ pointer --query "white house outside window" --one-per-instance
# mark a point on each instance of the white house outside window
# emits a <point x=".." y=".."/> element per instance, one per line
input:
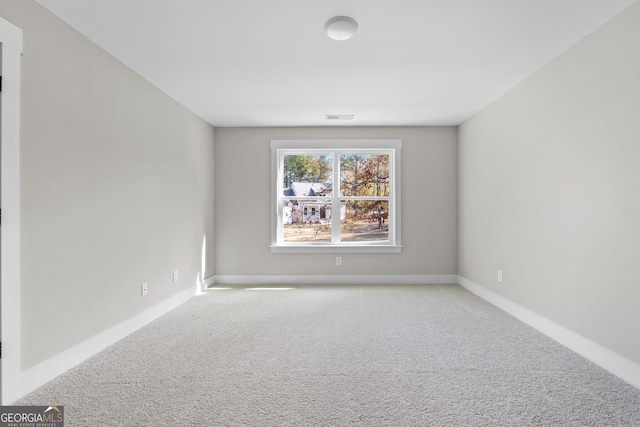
<point x="336" y="196"/>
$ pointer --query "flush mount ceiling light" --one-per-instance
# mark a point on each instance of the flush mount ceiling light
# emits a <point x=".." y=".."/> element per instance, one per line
<point x="341" y="27"/>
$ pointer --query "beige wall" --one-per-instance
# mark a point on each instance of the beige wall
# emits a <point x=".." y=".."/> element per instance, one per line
<point x="117" y="188"/>
<point x="243" y="203"/>
<point x="549" y="185"/>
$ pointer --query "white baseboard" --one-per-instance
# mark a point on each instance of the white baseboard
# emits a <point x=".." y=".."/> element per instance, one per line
<point x="209" y="282"/>
<point x="618" y="365"/>
<point x="59" y="364"/>
<point x="399" y="279"/>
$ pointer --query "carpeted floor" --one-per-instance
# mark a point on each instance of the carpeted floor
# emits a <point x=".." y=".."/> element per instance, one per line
<point x="432" y="355"/>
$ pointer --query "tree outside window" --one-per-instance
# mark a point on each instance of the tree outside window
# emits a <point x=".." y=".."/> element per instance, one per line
<point x="330" y="194"/>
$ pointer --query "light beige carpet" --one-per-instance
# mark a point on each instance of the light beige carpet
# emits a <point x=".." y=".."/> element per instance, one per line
<point x="339" y="356"/>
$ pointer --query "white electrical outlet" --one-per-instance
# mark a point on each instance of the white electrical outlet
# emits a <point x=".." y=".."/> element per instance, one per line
<point x="143" y="289"/>
<point x="500" y="276"/>
<point x="175" y="276"/>
<point x="338" y="260"/>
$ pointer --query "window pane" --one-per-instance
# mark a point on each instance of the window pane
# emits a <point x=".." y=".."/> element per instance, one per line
<point x="306" y="221"/>
<point x="365" y="220"/>
<point x="307" y="174"/>
<point x="364" y="175"/>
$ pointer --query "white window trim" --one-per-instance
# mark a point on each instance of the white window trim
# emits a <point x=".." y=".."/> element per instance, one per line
<point x="360" y="145"/>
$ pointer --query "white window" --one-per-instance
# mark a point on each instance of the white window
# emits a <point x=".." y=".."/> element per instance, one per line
<point x="335" y="196"/>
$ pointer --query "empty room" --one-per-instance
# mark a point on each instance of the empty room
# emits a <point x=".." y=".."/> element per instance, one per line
<point x="320" y="213"/>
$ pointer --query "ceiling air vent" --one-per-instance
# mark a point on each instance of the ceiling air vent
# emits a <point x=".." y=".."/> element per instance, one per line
<point x="339" y="116"/>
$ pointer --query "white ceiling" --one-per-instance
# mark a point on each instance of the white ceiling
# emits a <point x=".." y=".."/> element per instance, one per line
<point x="270" y="63"/>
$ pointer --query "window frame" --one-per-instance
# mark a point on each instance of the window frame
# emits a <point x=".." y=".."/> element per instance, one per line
<point x="391" y="147"/>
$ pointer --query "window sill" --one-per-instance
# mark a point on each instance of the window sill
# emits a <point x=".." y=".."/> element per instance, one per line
<point x="316" y="249"/>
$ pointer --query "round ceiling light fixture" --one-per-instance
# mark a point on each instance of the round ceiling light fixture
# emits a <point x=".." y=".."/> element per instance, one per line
<point x="341" y="27"/>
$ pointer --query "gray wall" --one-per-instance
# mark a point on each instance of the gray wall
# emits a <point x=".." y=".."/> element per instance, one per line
<point x="117" y="188"/>
<point x="243" y="203"/>
<point x="549" y="185"/>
